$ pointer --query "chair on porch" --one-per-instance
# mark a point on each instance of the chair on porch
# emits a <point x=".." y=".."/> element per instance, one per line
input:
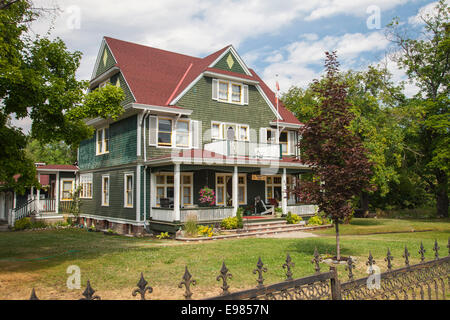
<point x="165" y="203"/>
<point x="261" y="208"/>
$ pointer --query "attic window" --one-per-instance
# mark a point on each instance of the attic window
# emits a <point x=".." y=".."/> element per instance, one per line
<point x="230" y="92"/>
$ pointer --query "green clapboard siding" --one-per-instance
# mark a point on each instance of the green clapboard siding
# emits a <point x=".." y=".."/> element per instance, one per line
<point x="110" y="62"/>
<point x="223" y="64"/>
<point x="123" y="84"/>
<point x="122" y="145"/>
<point x="116" y="195"/>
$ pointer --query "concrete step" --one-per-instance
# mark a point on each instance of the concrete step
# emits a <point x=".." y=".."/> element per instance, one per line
<point x="4" y="228"/>
<point x="279" y="227"/>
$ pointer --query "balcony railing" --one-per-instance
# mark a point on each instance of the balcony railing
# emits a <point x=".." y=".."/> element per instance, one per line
<point x="245" y="149"/>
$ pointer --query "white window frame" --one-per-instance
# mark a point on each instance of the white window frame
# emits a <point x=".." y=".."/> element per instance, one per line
<point x="173" y="136"/>
<point x="105" y="203"/>
<point x="103" y="141"/>
<point x="166" y="185"/>
<point x="125" y="190"/>
<point x="230" y="85"/>
<point x="272" y="185"/>
<point x="165" y="145"/>
<point x="86" y="181"/>
<point x="188" y="146"/>
<point x="223" y="127"/>
<point x="72" y="180"/>
<point x="224" y="185"/>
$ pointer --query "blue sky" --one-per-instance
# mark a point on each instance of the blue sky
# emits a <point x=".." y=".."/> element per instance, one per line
<point x="285" y="38"/>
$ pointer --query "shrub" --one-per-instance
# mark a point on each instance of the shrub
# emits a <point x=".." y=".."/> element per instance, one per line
<point x="38" y="225"/>
<point x="205" y="231"/>
<point x="293" y="218"/>
<point x="191" y="225"/>
<point x="229" y="223"/>
<point x="22" y="224"/>
<point x="207" y="196"/>
<point x="163" y="235"/>
<point x="315" y="221"/>
<point x="240" y="221"/>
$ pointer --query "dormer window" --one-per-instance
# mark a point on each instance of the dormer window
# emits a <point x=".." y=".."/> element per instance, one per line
<point x="230" y="92"/>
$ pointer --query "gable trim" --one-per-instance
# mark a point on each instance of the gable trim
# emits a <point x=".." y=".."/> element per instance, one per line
<point x="236" y="55"/>
<point x="189" y="87"/>
<point x="272" y="107"/>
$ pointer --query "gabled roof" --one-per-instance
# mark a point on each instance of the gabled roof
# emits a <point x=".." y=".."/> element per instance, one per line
<point x="159" y="78"/>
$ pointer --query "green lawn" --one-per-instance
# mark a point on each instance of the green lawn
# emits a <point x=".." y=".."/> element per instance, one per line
<point x="114" y="263"/>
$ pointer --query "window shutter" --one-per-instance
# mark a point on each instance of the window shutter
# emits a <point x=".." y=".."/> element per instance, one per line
<point x="215" y="89"/>
<point x="196" y="133"/>
<point x="292" y="142"/>
<point x="152" y="131"/>
<point x="245" y="88"/>
<point x="262" y="135"/>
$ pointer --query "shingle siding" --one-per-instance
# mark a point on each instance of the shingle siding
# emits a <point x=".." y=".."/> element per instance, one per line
<point x="110" y="62"/>
<point x="122" y="146"/>
<point x="223" y="64"/>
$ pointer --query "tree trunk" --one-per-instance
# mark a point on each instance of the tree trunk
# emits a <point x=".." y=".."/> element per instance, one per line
<point x="442" y="194"/>
<point x="338" y="243"/>
<point x="365" y="202"/>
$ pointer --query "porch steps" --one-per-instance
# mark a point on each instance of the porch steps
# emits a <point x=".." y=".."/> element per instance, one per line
<point x="4" y="226"/>
<point x="260" y="229"/>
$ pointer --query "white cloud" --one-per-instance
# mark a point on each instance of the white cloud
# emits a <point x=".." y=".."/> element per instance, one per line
<point x="429" y="9"/>
<point x="304" y="58"/>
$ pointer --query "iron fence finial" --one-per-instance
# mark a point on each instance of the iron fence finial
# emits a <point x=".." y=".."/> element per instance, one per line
<point x="89" y="293"/>
<point x="422" y="252"/>
<point x="288" y="265"/>
<point x="316" y="260"/>
<point x="370" y="262"/>
<point x="260" y="269"/>
<point x="406" y="256"/>
<point x="33" y="295"/>
<point x="224" y="275"/>
<point x="142" y="288"/>
<point x="436" y="250"/>
<point x="349" y="267"/>
<point x="389" y="259"/>
<point x="187" y="282"/>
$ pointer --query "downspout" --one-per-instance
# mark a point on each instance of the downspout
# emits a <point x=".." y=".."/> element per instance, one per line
<point x="147" y="113"/>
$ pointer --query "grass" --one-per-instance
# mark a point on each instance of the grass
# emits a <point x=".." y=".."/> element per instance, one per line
<point x="113" y="263"/>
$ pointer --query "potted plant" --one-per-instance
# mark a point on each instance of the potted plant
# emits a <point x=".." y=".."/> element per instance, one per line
<point x="207" y="197"/>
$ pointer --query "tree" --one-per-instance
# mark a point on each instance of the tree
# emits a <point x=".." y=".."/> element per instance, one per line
<point x="38" y="80"/>
<point x="426" y="61"/>
<point x="51" y="153"/>
<point x="373" y="101"/>
<point x="337" y="156"/>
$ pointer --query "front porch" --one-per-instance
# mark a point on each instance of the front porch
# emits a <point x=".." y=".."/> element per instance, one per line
<point x="174" y="192"/>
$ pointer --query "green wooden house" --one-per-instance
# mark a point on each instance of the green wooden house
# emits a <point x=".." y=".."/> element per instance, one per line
<point x="189" y="123"/>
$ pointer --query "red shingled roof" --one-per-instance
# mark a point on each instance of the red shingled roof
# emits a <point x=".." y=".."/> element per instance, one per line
<point x="158" y="76"/>
<point x="57" y="167"/>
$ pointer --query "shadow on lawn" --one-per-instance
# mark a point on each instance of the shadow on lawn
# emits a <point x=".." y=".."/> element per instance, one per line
<point x="365" y="222"/>
<point x="36" y="253"/>
<point x="307" y="246"/>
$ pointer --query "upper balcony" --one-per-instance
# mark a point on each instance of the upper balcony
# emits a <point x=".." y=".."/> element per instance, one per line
<point x="247" y="149"/>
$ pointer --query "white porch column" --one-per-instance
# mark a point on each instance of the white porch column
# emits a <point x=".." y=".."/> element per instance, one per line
<point x="38" y="209"/>
<point x="152" y="192"/>
<point x="58" y="185"/>
<point x="176" y="193"/>
<point x="235" y="191"/>
<point x="284" y="199"/>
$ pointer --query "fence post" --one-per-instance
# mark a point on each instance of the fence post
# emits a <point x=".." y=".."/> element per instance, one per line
<point x="335" y="285"/>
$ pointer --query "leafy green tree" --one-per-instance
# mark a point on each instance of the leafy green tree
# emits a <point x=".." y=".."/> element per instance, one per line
<point x="57" y="152"/>
<point x="38" y="80"/>
<point x="373" y="99"/>
<point x="426" y="59"/>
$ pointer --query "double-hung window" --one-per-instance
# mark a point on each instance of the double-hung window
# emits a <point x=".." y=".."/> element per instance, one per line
<point x="67" y="190"/>
<point x="182" y="133"/>
<point x="102" y="141"/>
<point x="236" y="93"/>
<point x="105" y="191"/>
<point x="164" y="132"/>
<point x="230" y="91"/>
<point x="128" y="190"/>
<point x="86" y="186"/>
<point x="223" y="90"/>
<point x="230" y="131"/>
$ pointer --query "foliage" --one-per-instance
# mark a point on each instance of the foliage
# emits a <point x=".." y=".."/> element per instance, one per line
<point x="240" y="221"/>
<point x="207" y="196"/>
<point x="315" y="221"/>
<point x="163" y="235"/>
<point x="229" y="223"/>
<point x="22" y="224"/>
<point x="76" y="202"/>
<point x="293" y="218"/>
<point x="426" y="61"/>
<point x="190" y="225"/>
<point x="38" y="80"/>
<point x="57" y="152"/>
<point x="205" y="231"/>
<point x="336" y="154"/>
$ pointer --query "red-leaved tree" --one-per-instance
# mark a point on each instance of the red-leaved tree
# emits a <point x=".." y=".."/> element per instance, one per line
<point x="338" y="159"/>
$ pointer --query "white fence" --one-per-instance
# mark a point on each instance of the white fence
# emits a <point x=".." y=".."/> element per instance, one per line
<point x="203" y="214"/>
<point x="301" y="210"/>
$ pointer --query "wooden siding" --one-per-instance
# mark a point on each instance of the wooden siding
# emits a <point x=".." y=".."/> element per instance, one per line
<point x="223" y="64"/>
<point x="122" y="145"/>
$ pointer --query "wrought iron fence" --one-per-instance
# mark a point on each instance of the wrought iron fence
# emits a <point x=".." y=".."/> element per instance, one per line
<point x="425" y="280"/>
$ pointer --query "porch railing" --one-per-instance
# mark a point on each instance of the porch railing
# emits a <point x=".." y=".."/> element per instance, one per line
<point x="23" y="211"/>
<point x="203" y="214"/>
<point x="47" y="205"/>
<point x="245" y="149"/>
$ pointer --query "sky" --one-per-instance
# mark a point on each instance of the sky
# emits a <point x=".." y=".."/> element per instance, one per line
<point x="281" y="40"/>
